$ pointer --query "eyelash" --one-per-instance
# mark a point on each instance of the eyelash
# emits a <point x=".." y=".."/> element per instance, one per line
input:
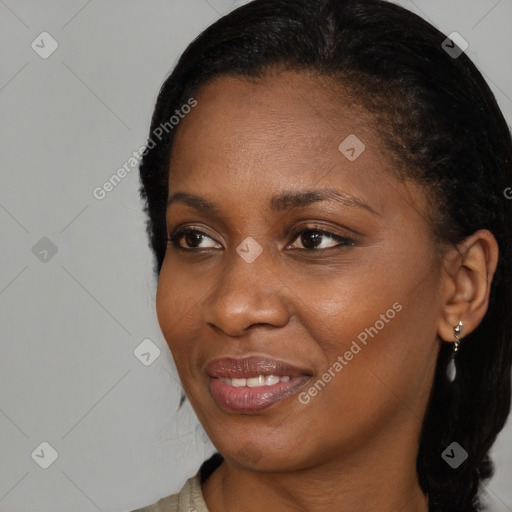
<point x="175" y="237"/>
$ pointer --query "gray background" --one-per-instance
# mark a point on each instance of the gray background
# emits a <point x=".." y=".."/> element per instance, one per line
<point x="71" y="321"/>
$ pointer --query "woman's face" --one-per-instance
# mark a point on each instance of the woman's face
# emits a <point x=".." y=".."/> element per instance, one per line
<point x="305" y="260"/>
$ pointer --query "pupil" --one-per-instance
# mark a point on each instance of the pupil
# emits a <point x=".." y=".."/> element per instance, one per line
<point x="190" y="236"/>
<point x="315" y="236"/>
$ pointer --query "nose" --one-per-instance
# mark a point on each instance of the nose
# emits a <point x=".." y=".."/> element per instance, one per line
<point x="246" y="295"/>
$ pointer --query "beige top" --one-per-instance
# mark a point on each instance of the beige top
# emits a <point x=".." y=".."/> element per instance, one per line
<point x="189" y="499"/>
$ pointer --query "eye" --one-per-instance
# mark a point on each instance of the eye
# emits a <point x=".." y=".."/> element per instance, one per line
<point x="310" y="238"/>
<point x="192" y="237"/>
<point x="313" y="238"/>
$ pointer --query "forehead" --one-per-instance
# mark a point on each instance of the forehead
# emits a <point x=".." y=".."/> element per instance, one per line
<point x="256" y="138"/>
<point x="272" y="110"/>
<point x="284" y="118"/>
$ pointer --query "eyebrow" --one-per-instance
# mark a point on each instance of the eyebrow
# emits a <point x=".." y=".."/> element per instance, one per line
<point x="280" y="202"/>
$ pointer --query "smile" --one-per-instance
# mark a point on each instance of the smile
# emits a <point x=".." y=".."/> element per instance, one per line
<point x="252" y="384"/>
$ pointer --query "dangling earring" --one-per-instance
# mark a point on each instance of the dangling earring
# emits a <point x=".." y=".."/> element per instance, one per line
<point x="451" y="371"/>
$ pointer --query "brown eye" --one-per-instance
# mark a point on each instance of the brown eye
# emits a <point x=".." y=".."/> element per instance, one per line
<point x="314" y="239"/>
<point x="192" y="237"/>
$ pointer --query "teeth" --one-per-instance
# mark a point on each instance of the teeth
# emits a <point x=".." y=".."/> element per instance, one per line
<point x="253" y="382"/>
<point x="271" y="379"/>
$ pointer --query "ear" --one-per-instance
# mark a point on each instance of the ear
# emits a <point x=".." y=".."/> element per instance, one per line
<point x="468" y="270"/>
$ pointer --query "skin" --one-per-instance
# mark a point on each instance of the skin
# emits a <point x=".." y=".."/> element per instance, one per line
<point x="354" y="445"/>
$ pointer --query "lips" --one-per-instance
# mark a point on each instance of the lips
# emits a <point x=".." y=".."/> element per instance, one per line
<point x="231" y="368"/>
<point x="252" y="384"/>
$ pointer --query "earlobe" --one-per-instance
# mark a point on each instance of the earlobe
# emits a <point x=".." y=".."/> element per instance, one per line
<point x="467" y="283"/>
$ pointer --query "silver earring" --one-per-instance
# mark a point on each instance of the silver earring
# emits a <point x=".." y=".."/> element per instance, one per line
<point x="451" y="371"/>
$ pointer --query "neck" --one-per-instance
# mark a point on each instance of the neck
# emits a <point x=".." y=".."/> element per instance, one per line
<point x="365" y="481"/>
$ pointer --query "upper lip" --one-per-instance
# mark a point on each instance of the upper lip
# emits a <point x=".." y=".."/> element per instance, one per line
<point x="232" y="368"/>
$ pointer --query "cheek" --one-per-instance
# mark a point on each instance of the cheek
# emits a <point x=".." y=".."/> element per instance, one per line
<point x="166" y="302"/>
<point x="177" y="298"/>
<point x="388" y="350"/>
<point x="176" y="314"/>
<point x="381" y="320"/>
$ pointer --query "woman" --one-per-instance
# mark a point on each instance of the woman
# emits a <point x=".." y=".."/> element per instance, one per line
<point x="325" y="189"/>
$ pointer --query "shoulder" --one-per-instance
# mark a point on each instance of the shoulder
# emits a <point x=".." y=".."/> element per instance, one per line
<point x="190" y="498"/>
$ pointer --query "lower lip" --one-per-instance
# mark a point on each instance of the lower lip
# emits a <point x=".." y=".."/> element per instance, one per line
<point x="244" y="399"/>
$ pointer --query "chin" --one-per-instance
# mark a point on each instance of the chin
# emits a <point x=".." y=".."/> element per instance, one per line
<point x="256" y="454"/>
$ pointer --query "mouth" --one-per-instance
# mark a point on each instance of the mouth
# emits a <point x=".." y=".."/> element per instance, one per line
<point x="252" y="384"/>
